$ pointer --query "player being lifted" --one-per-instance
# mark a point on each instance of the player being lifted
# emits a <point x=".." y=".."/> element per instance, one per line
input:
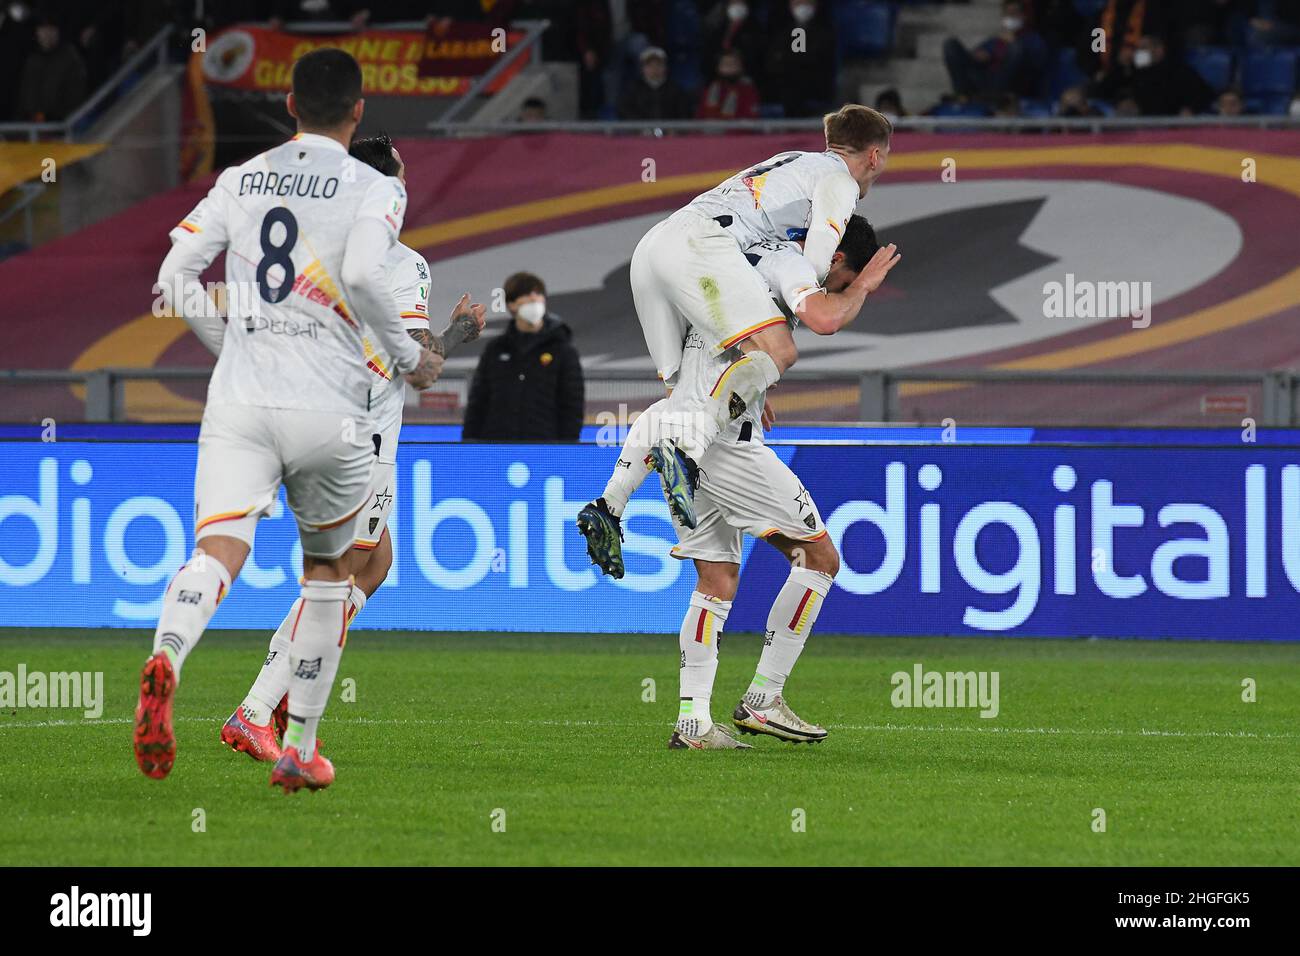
<point x="746" y="489"/>
<point x="306" y="232"/>
<point x="255" y="724"/>
<point x="690" y="272"/>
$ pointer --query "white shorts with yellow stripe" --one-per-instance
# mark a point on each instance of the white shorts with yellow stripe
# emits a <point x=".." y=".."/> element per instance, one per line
<point x="687" y="273"/>
<point x="745" y="489"/>
<point x="323" y="459"/>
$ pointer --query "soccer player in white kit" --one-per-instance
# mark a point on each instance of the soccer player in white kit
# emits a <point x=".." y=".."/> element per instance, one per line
<point x="690" y="272"/>
<point x="306" y="231"/>
<point x="263" y="714"/>
<point x="746" y="489"/>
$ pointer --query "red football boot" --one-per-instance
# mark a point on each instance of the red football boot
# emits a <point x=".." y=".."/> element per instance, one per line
<point x="292" y="774"/>
<point x="244" y="736"/>
<point x="280" y="718"/>
<point x="155" y="744"/>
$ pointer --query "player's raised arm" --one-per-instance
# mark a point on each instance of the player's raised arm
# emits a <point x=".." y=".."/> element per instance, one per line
<point x="196" y="241"/>
<point x="828" y="312"/>
<point x="832" y="206"/>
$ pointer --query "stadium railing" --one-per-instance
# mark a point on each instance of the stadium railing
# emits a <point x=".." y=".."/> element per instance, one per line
<point x="923" y="395"/>
<point x="930" y="124"/>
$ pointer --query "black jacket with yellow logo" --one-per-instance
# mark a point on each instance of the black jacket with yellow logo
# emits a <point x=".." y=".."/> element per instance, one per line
<point x="527" y="387"/>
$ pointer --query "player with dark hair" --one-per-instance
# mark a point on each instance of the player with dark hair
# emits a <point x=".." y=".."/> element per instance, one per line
<point x="306" y="231"/>
<point x="689" y="272"/>
<point x="745" y="489"/>
<point x="255" y="724"/>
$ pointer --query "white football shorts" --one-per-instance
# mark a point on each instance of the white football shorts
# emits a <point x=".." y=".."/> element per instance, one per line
<point x="688" y="272"/>
<point x="745" y="489"/>
<point x="374" y="515"/>
<point x="323" y="459"/>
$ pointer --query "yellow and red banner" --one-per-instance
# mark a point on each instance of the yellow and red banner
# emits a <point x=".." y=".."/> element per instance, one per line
<point x="440" y="62"/>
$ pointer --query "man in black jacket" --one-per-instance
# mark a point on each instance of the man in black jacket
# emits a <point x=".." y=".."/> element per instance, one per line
<point x="528" y="385"/>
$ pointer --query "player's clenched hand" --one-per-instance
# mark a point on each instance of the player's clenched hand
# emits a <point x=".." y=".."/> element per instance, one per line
<point x="427" y="372"/>
<point x="769" y="415"/>
<point x="870" y="278"/>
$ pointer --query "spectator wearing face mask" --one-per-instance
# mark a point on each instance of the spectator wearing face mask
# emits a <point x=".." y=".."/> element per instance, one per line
<point x="732" y="25"/>
<point x="653" y="95"/>
<point x="800" y="68"/>
<point x="731" y="95"/>
<point x="528" y="385"/>
<point x="1158" y="85"/>
<point x="1012" y="61"/>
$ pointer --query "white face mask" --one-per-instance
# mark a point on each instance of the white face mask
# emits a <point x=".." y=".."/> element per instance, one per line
<point x="1012" y="24"/>
<point x="532" y="312"/>
<point x="737" y="11"/>
<point x="803" y="12"/>
<point x="1143" y="59"/>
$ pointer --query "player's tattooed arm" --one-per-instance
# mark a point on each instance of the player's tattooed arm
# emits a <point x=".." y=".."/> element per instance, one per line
<point x="467" y="322"/>
<point x="428" y="340"/>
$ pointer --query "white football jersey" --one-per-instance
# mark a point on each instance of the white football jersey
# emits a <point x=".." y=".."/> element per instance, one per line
<point x="786" y="198"/>
<point x="283" y="219"/>
<point x="788" y="274"/>
<point x="791" y="279"/>
<point x="407" y="274"/>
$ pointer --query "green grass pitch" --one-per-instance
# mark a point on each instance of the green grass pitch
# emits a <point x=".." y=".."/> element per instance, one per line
<point x="448" y="729"/>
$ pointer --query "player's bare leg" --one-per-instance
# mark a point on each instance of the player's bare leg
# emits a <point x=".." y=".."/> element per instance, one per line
<point x="768" y="353"/>
<point x="698" y="640"/>
<point x="763" y="709"/>
<point x="258" y="724"/>
<point x="188" y="605"/>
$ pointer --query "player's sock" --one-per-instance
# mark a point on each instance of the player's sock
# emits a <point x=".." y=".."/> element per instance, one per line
<point x="793" y="614"/>
<point x="741" y="386"/>
<point x="273" y="679"/>
<point x="315" y="646"/>
<point x="188" y="604"/>
<point x="633" y="462"/>
<point x="698" y="639"/>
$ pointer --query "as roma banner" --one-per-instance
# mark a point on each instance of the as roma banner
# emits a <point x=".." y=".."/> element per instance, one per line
<point x="442" y="62"/>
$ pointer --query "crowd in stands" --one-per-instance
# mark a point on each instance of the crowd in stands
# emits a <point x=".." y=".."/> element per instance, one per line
<point x="1158" y="58"/>
<point x="735" y="59"/>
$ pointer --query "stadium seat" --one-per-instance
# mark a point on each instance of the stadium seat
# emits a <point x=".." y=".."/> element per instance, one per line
<point x="1271" y="71"/>
<point x="1035" y="109"/>
<point x="771" y="111"/>
<point x="1064" y="74"/>
<point x="1214" y="64"/>
<point x="1091" y="9"/>
<point x="864" y="28"/>
<point x="684" y="29"/>
<point x="960" y="109"/>
<point x="684" y="68"/>
<point x="1274" y="104"/>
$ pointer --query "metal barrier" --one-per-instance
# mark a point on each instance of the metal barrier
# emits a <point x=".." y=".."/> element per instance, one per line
<point x="862" y="395"/>
<point x="929" y="124"/>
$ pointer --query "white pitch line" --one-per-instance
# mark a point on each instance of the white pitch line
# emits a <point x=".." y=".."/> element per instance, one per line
<point x="865" y="728"/>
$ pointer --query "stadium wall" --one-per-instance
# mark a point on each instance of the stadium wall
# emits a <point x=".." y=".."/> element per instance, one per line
<point x="1157" y="540"/>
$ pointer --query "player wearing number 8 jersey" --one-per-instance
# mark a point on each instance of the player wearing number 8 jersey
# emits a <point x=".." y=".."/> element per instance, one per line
<point x="306" y="231"/>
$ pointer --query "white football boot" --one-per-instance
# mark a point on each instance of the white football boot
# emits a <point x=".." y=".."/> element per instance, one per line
<point x="686" y="736"/>
<point x="775" y="719"/>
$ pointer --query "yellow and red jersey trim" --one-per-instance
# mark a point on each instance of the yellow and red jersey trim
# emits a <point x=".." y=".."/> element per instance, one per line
<point x="188" y="226"/>
<point x="741" y="336"/>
